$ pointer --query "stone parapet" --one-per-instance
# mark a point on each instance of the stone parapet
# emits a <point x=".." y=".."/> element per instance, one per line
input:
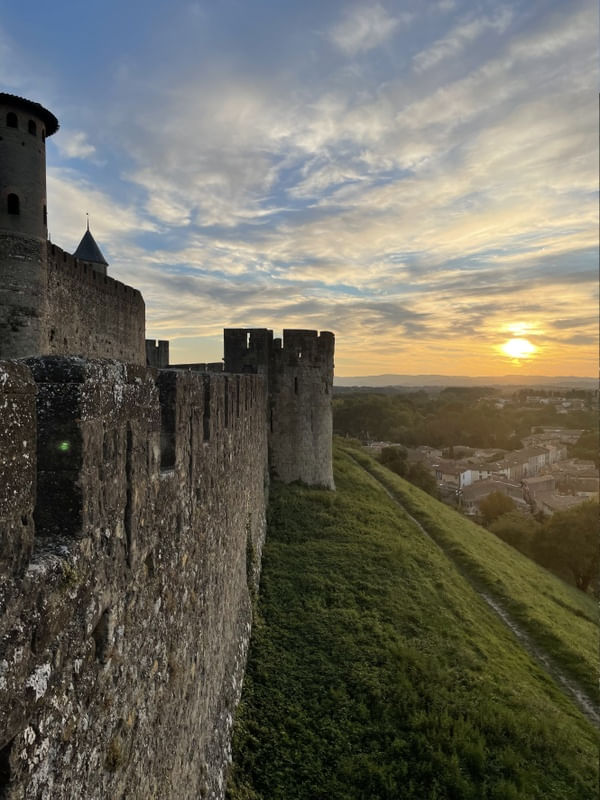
<point x="126" y="608"/>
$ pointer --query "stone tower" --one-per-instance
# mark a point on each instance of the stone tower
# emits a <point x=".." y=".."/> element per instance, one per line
<point x="24" y="127"/>
<point x="299" y="378"/>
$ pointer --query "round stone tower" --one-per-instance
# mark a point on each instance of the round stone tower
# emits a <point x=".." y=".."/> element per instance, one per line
<point x="24" y="128"/>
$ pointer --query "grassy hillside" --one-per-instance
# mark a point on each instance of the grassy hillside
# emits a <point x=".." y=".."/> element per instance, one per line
<point x="376" y="671"/>
<point x="558" y="616"/>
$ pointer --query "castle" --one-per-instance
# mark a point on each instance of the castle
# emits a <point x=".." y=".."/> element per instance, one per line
<point x="132" y="511"/>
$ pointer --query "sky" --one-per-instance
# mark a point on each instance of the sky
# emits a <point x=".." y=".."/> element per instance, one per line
<point x="419" y="177"/>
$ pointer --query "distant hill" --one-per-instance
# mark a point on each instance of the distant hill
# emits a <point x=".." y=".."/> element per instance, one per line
<point x="567" y="382"/>
<point x="379" y="670"/>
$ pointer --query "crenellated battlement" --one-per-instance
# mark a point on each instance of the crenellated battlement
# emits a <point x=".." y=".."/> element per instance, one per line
<point x="84" y="271"/>
<point x="299" y="375"/>
<point x="250" y="349"/>
<point x="105" y="319"/>
<point x="306" y="345"/>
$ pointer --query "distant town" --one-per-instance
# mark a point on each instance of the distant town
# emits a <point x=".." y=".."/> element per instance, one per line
<point x="544" y="468"/>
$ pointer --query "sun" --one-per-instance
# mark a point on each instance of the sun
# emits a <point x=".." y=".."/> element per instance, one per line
<point x="518" y="348"/>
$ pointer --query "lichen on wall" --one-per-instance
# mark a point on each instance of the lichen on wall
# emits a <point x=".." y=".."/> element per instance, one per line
<point x="126" y="614"/>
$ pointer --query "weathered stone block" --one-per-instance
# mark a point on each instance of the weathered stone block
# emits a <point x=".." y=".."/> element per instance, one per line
<point x="123" y="643"/>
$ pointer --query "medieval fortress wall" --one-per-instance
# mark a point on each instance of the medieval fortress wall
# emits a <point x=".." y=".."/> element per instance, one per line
<point x="130" y="551"/>
<point x="132" y="514"/>
<point x="51" y="302"/>
<point x="105" y="319"/>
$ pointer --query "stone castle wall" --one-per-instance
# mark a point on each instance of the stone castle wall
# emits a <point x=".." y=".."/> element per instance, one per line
<point x="53" y="304"/>
<point x="130" y="544"/>
<point x="90" y="314"/>
<point x="23" y="167"/>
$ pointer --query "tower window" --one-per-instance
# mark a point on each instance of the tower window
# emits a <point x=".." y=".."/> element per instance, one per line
<point x="11" y="120"/>
<point x="32" y="127"/>
<point x="12" y="204"/>
<point x="45" y="216"/>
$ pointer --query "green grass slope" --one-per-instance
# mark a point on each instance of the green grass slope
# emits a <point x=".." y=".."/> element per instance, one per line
<point x="376" y="671"/>
<point x="557" y="616"/>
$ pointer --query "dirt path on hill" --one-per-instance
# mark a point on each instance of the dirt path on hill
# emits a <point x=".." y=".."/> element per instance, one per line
<point x="567" y="685"/>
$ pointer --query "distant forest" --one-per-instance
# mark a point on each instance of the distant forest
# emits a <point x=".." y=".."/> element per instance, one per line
<point x="454" y="416"/>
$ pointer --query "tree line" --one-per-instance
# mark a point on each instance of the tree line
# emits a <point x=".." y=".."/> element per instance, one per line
<point x="565" y="543"/>
<point x="457" y="415"/>
<point x="420" y="418"/>
<point x="396" y="459"/>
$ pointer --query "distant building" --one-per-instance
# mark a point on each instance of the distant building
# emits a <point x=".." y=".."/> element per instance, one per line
<point x="551" y="503"/>
<point x="472" y="496"/>
<point x="540" y="485"/>
<point x="587" y="487"/>
<point x="457" y="474"/>
<point x="523" y="463"/>
<point x="577" y="477"/>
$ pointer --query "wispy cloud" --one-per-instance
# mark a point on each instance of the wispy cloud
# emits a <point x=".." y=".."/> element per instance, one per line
<point x="446" y="5"/>
<point x="73" y="197"/>
<point x="75" y="144"/>
<point x="460" y="37"/>
<point x="364" y="27"/>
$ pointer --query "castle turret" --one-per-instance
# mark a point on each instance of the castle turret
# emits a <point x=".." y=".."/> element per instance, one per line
<point x="88" y="251"/>
<point x="24" y="127"/>
<point x="299" y="378"/>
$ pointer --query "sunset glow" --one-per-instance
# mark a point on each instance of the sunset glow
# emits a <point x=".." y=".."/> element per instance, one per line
<point x="518" y="348"/>
<point x="419" y="178"/>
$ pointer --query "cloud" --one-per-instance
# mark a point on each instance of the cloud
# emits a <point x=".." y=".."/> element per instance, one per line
<point x="417" y="214"/>
<point x="74" y="144"/>
<point x="71" y="196"/>
<point x="364" y="28"/>
<point x="207" y="158"/>
<point x="462" y="35"/>
<point x="574" y="322"/>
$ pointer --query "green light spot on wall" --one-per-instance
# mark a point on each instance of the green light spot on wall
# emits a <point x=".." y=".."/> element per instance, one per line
<point x="64" y="447"/>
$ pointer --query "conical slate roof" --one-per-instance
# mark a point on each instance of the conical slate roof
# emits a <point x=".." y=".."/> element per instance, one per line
<point x="88" y="250"/>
